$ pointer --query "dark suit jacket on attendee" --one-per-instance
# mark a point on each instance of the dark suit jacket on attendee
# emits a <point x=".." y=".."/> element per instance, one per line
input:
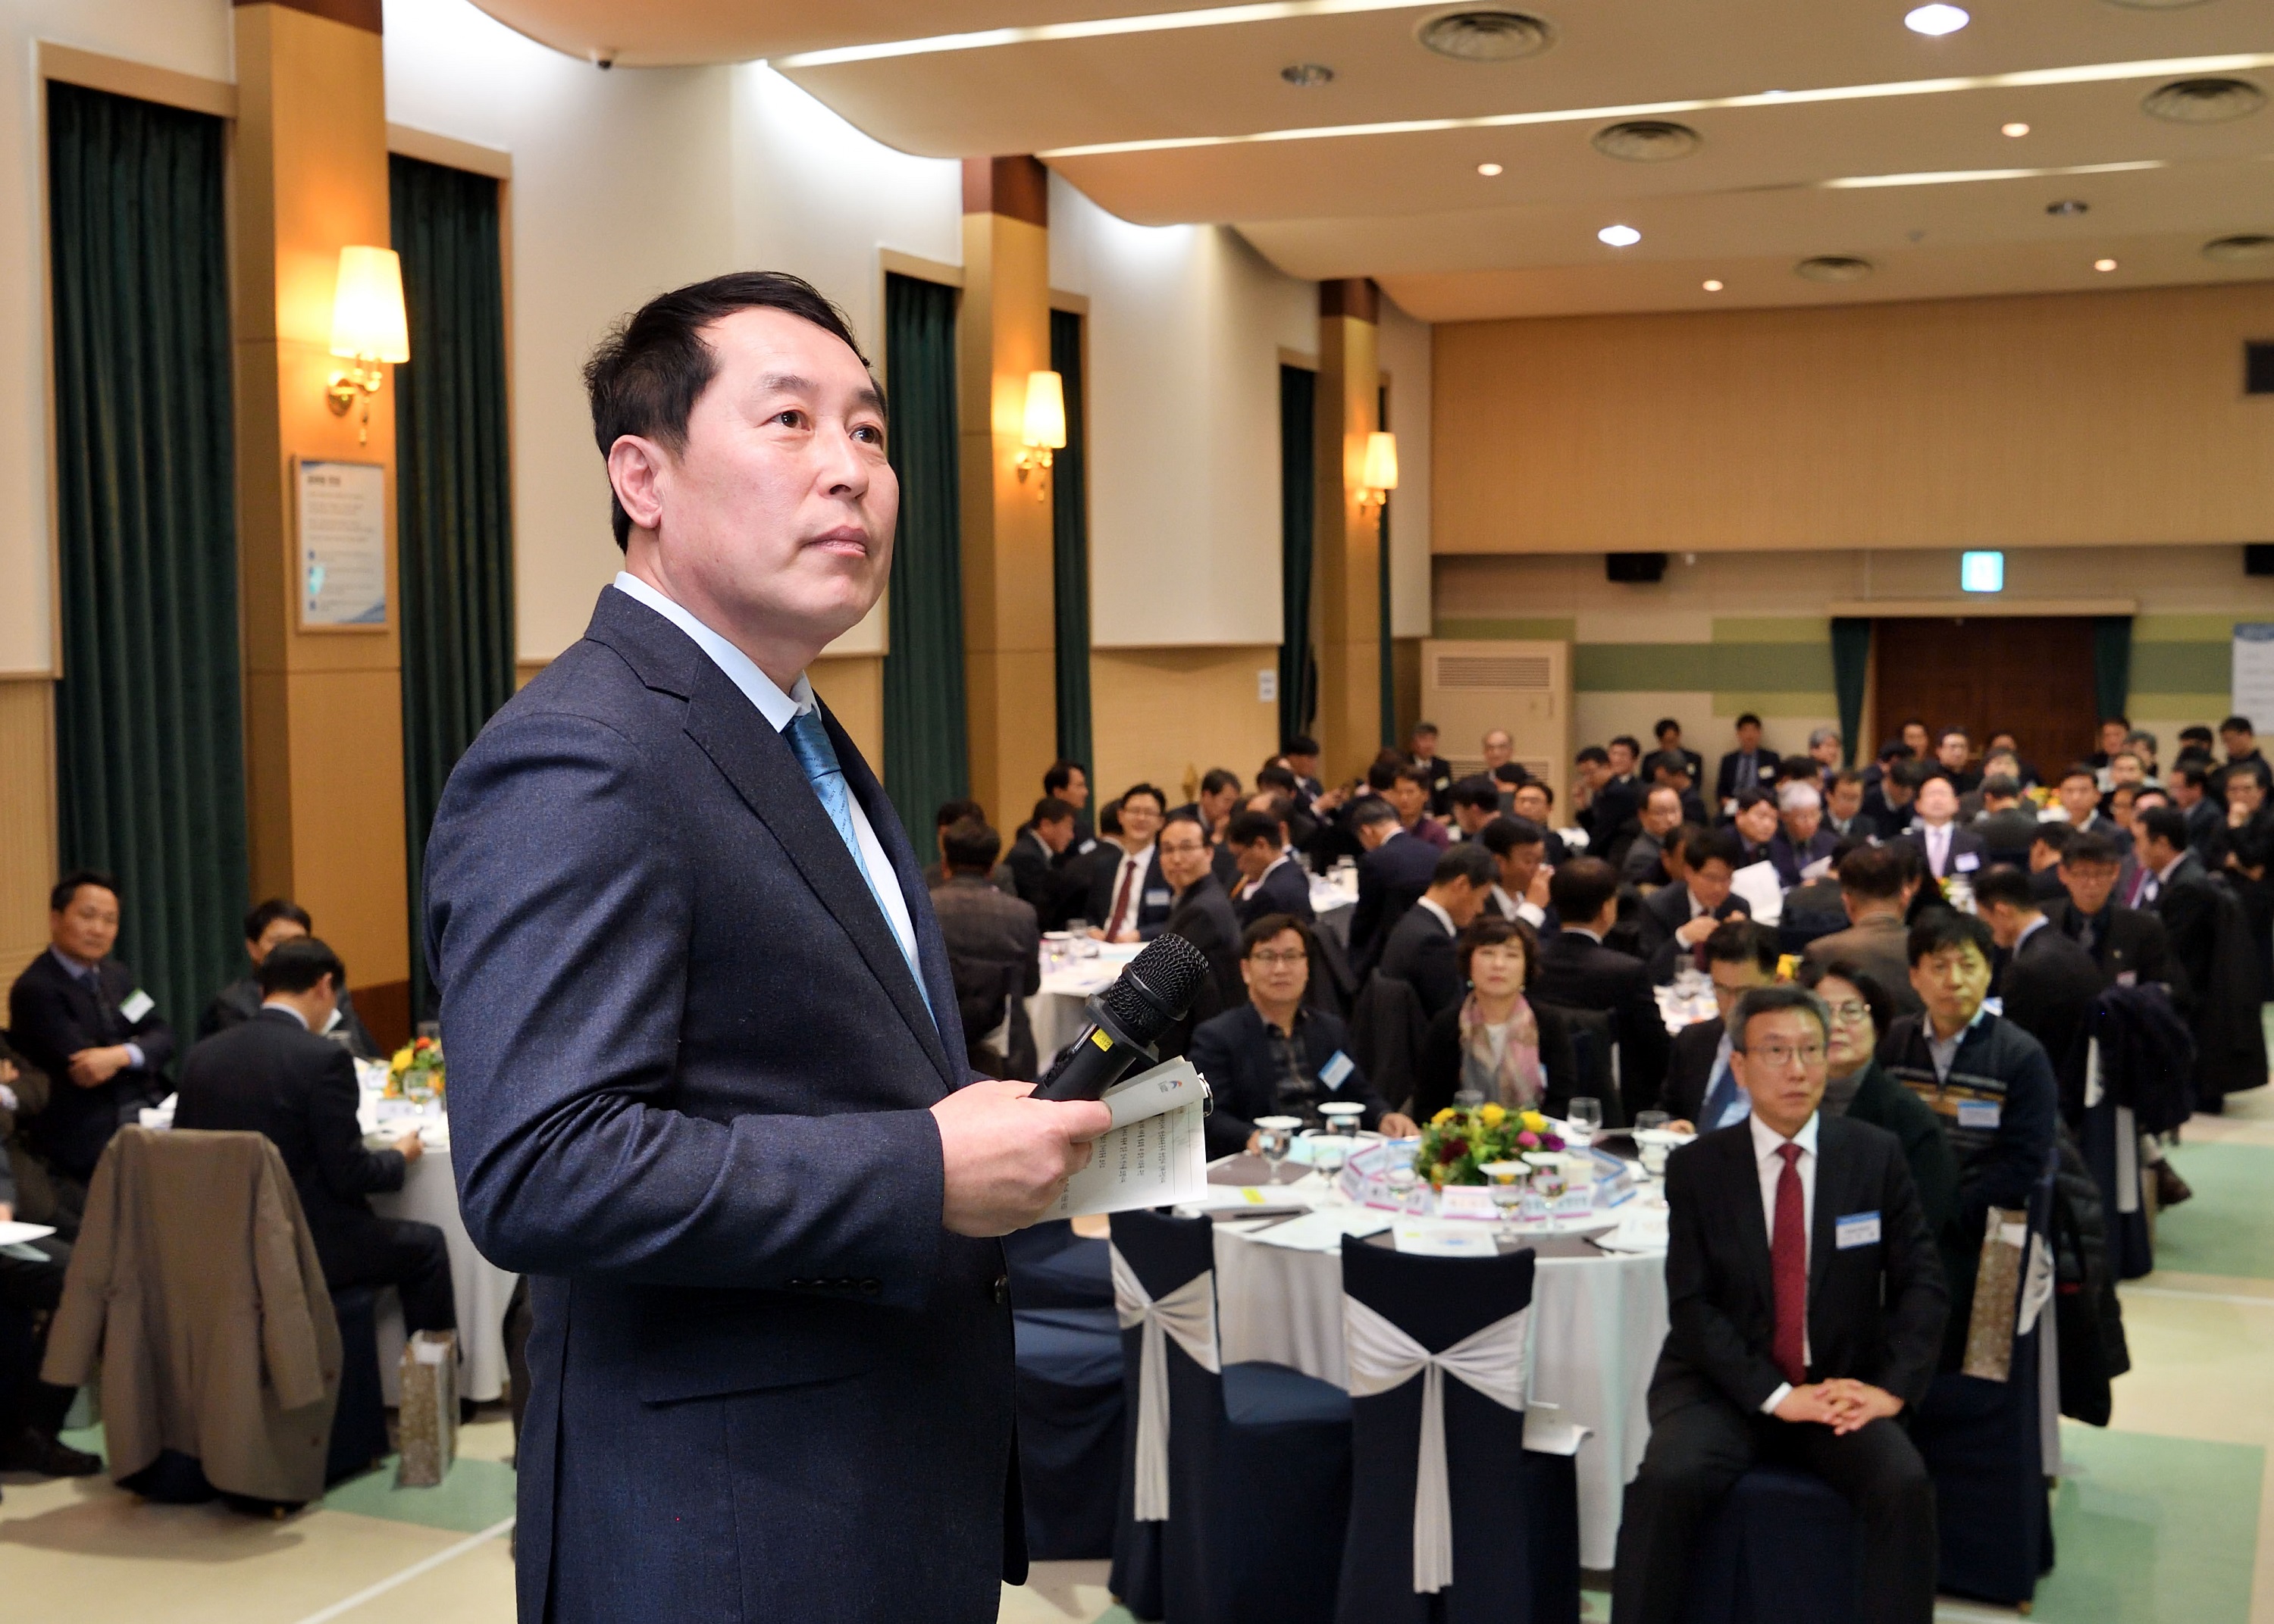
<point x="1204" y="917"/>
<point x="1042" y="877"/>
<point x="1879" y="947"/>
<point x="240" y="1001"/>
<point x="1728" y="780"/>
<point x="994" y="953"/>
<point x="1390" y="879"/>
<point x="1886" y="819"/>
<point x="1286" y="889"/>
<point x="691" y="1080"/>
<point x="1442" y="1059"/>
<point x="2124" y="940"/>
<point x="2101" y="824"/>
<point x="1789" y="859"/>
<point x="52" y="1015"/>
<point x="1666" y="911"/>
<point x="1151" y="896"/>
<point x="2049" y="987"/>
<point x="1964" y="843"/>
<point x="1579" y="973"/>
<point x="1875" y="1312"/>
<point x="1234" y="1052"/>
<point x="1419" y="952"/>
<point x="271" y="1075"/>
<point x="1689" y="1069"/>
<point x="2009" y="834"/>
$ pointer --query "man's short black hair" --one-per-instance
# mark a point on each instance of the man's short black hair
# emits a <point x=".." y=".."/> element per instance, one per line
<point x="1160" y="801"/>
<point x="1185" y="814"/>
<point x="1758" y="1001"/>
<point x="1667" y="761"/>
<point x="956" y="811"/>
<point x="1423" y="727"/>
<point x="1938" y="929"/>
<point x="1273" y="776"/>
<point x="1383" y="772"/>
<point x="969" y="847"/>
<point x="1059" y="775"/>
<point x="1406" y="773"/>
<point x="1633" y="744"/>
<point x="1467" y="861"/>
<point x="1748" y="720"/>
<point x="1505" y="834"/>
<point x="2008" y="884"/>
<point x="2090" y="849"/>
<point x="1524" y="780"/>
<point x="2004" y="785"/>
<point x="2192" y="771"/>
<point x="1051" y="810"/>
<point x="1372" y="809"/>
<point x="1847" y="775"/>
<point x="1108" y="819"/>
<point x="1701" y="846"/>
<point x="1270" y="927"/>
<point x="1247" y="828"/>
<point x="1215" y="780"/>
<point x="1298" y="744"/>
<point x="1578" y="889"/>
<point x="1953" y="732"/>
<point x="2079" y="769"/>
<point x="2196" y="734"/>
<point x="1873" y="874"/>
<point x="298" y="965"/>
<point x="1478" y="793"/>
<point x="2238" y="724"/>
<point x="648" y="372"/>
<point x="1750" y="798"/>
<point x="1592" y="753"/>
<point x="257" y="922"/>
<point x="1741" y="941"/>
<point x="2168" y="824"/>
<point x="71" y="883"/>
<point x="1664" y="726"/>
<point x="2056" y="838"/>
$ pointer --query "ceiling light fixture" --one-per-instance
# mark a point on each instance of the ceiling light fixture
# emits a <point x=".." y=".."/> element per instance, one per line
<point x="1834" y="267"/>
<point x="1952" y="177"/>
<point x="1936" y="20"/>
<point x="1484" y="35"/>
<point x="2104" y="264"/>
<point x="1712" y="284"/>
<point x="1488" y="169"/>
<point x="2016" y="129"/>
<point x="2066" y="208"/>
<point x="2026" y="79"/>
<point x="1619" y="237"/>
<point x="2207" y="101"/>
<point x="1646" y="140"/>
<point x="2242" y="249"/>
<point x="1307" y="75"/>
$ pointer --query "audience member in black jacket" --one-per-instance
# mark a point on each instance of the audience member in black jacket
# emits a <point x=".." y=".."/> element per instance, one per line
<point x="2209" y="968"/>
<point x="1493" y="1040"/>
<point x="1679" y="918"/>
<point x="1042" y="863"/>
<point x="1267" y="878"/>
<point x="1272" y="1056"/>
<point x="2048" y="985"/>
<point x="1701" y="1088"/>
<point x="76" y="1014"/>
<point x="1798" y="1330"/>
<point x="2121" y="941"/>
<point x="1204" y="916"/>
<point x="1419" y="952"/>
<point x="1577" y="972"/>
<point x="272" y="922"/>
<point x="273" y="1076"/>
<point x="1391" y="876"/>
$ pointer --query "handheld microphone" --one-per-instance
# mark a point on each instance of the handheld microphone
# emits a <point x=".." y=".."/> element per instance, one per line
<point x="1127" y="1018"/>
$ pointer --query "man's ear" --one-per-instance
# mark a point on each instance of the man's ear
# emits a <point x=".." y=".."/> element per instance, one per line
<point x="636" y="469"/>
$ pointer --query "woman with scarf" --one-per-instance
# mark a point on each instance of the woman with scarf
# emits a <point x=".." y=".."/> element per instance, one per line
<point x="1494" y="1042"/>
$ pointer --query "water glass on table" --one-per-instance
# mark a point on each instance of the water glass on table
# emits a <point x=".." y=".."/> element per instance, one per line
<point x="1399" y="1173"/>
<point x="1275" y="1137"/>
<point x="1584" y="1118"/>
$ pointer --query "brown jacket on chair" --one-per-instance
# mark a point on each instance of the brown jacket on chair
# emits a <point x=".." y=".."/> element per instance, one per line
<point x="196" y="1281"/>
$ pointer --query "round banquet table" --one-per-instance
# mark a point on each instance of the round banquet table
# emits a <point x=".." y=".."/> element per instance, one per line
<point x="1598" y="1320"/>
<point x="430" y="1195"/>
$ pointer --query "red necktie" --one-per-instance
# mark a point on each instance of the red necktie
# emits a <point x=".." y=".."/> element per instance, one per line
<point x="1789" y="1265"/>
<point x="1121" y="897"/>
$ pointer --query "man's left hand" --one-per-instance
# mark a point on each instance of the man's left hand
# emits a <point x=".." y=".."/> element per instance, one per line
<point x="1859" y="1403"/>
<point x="91" y="1068"/>
<point x="1398" y="1125"/>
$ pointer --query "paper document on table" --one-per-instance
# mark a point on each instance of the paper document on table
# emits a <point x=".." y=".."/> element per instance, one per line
<point x="1155" y="1154"/>
<point x="1763" y="892"/>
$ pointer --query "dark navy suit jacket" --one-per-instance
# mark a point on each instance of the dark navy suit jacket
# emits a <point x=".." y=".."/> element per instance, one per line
<point x="690" y="1075"/>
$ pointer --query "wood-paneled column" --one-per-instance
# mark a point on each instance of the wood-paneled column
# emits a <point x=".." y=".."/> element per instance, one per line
<point x="1346" y="563"/>
<point x="1003" y="331"/>
<point x="323" y="708"/>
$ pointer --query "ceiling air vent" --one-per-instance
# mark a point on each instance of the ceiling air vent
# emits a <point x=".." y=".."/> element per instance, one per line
<point x="1497" y="672"/>
<point x="2240" y="250"/>
<point x="1486" y="37"/>
<point x="2155" y="6"/>
<point x="1834" y="268"/>
<point x="1646" y="140"/>
<point x="2203" y="100"/>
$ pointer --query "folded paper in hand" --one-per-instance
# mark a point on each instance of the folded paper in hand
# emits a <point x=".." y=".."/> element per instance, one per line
<point x="1154" y="1155"/>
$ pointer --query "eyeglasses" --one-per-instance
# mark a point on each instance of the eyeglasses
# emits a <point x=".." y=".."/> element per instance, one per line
<point x="1268" y="957"/>
<point x="1776" y="1056"/>
<point x="1847" y="1014"/>
<point x="1183" y="848"/>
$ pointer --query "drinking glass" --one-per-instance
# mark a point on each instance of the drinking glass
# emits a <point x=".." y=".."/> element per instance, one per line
<point x="1651" y="1122"/>
<point x="1398" y="1172"/>
<point x="1329" y="1152"/>
<point x="1585" y="1118"/>
<point x="1342" y="1118"/>
<point x="1467" y="1099"/>
<point x="1507" y="1192"/>
<point x="1275" y="1138"/>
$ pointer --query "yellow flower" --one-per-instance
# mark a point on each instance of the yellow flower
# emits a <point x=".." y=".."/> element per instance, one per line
<point x="1494" y="1114"/>
<point x="1442" y="1117"/>
<point x="1788" y="967"/>
<point x="1535" y="1121"/>
<point x="402" y="1060"/>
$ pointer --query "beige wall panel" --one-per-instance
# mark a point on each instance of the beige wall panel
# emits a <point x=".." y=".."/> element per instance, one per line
<point x="1158" y="714"/>
<point x="348" y="869"/>
<point x="1347" y="601"/>
<point x="28" y="817"/>
<point x="2086" y="419"/>
<point x="853" y="687"/>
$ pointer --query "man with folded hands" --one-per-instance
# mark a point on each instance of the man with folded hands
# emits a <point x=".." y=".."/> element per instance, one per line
<point x="1805" y="1310"/>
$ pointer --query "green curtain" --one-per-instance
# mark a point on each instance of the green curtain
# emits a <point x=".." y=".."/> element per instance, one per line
<point x="2112" y="664"/>
<point x="1851" y="668"/>
<point x="1070" y="548"/>
<point x="1298" y="674"/>
<point x="926" y="747"/>
<point x="454" y="506"/>
<point x="149" y="729"/>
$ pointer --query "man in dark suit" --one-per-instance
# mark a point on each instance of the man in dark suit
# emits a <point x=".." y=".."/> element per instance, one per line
<point x="2125" y="943"/>
<point x="1669" y="734"/>
<point x="1804" y="1310"/>
<point x="1419" y="952"/>
<point x="1128" y="901"/>
<point x="1038" y="861"/>
<point x="1579" y="973"/>
<point x="2079" y="791"/>
<point x="1701" y="1089"/>
<point x="2048" y="985"/>
<point x="1274" y="1055"/>
<point x="1954" y="756"/>
<point x="1676" y="919"/>
<point x="1753" y="824"/>
<point x="1391" y="876"/>
<point x="707" y="1084"/>
<point x="77" y="1014"/>
<point x="1843" y="808"/>
<point x="1801" y="839"/>
<point x="274" y="1075"/>
<point x="1875" y="889"/>
<point x="1423" y="758"/>
<point x="274" y="922"/>
<point x="1891" y="802"/>
<point x="1203" y="916"/>
<point x="994" y="953"/>
<point x="1643" y="859"/>
<point x="1270" y="880"/>
<point x="2188" y="782"/>
<point x="2007" y="828"/>
<point x="1749" y="766"/>
<point x="32" y="1274"/>
<point x="1218" y="799"/>
<point x="1520" y="847"/>
<point x="1951" y="852"/>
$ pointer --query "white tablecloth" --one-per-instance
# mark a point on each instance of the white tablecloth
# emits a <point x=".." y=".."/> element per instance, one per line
<point x="1056" y="1013"/>
<point x="429" y="1195"/>
<point x="1596" y="1327"/>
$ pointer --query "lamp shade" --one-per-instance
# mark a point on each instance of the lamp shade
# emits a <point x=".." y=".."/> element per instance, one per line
<point x="1381" y="462"/>
<point x="1045" y="419"/>
<point x="367" y="317"/>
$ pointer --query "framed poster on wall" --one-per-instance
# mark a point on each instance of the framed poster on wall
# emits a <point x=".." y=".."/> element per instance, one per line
<point x="340" y="517"/>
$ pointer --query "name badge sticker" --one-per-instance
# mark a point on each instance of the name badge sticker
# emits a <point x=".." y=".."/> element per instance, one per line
<point x="136" y="1004"/>
<point x="1977" y="1114"/>
<point x="1856" y="1229"/>
<point x="1156" y="898"/>
<point x="1967" y="862"/>
<point x="1336" y="1071"/>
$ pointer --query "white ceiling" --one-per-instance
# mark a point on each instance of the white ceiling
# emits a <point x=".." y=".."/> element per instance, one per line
<point x="1407" y="206"/>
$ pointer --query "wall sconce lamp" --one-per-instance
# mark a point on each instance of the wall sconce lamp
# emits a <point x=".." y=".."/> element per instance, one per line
<point x="368" y="328"/>
<point x="1379" y="476"/>
<point x="1043" y="428"/>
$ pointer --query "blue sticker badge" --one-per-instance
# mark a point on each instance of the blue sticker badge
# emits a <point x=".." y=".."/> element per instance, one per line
<point x="1978" y="1114"/>
<point x="1337" y="1070"/>
<point x="1856" y="1229"/>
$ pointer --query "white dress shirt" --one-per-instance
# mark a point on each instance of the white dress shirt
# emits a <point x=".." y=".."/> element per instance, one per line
<point x="1437" y="909"/>
<point x="779" y="709"/>
<point x="1936" y="839"/>
<point x="1517" y="907"/>
<point x="1141" y="863"/>
<point x="1766" y="1142"/>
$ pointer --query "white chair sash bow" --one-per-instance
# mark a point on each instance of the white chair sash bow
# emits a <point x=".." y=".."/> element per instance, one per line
<point x="1188" y="1314"/>
<point x="1382" y="1356"/>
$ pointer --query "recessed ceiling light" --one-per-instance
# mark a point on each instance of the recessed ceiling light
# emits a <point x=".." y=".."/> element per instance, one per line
<point x="1646" y="140"/>
<point x="1619" y="237"/>
<point x="1488" y="169"/>
<point x="2239" y="250"/>
<point x="2104" y="264"/>
<point x="1834" y="267"/>
<point x="1935" y="19"/>
<point x="2017" y="129"/>
<point x="2067" y="209"/>
<point x="1713" y="284"/>
<point x="1484" y="35"/>
<point x="2208" y="101"/>
<point x="1307" y="75"/>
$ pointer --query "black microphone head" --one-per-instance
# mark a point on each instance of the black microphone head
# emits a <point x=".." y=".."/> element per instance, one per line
<point x="1157" y="988"/>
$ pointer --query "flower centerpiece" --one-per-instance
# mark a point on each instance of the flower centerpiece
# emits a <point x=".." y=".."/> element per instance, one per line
<point x="1457" y="1144"/>
<point x="416" y="1072"/>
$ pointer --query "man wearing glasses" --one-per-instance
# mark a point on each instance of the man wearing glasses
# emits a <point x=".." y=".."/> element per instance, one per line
<point x="1805" y="1307"/>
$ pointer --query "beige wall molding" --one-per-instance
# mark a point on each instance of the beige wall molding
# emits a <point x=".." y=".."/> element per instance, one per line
<point x="1307" y="359"/>
<point x="449" y="152"/>
<point x="1975" y="608"/>
<point x="138" y="79"/>
<point x="1075" y="303"/>
<point x="891" y="259"/>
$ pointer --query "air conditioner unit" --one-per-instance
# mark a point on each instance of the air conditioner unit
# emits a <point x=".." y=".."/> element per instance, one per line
<point x="1468" y="689"/>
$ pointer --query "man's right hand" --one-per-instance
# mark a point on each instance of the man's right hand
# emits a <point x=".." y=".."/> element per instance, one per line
<point x="1006" y="1156"/>
<point x="1697" y="931"/>
<point x="1813" y="1403"/>
<point x="412" y="1146"/>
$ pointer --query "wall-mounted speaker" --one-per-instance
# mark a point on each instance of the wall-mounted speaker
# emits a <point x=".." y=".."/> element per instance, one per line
<point x="1645" y="567"/>
<point x="2258" y="559"/>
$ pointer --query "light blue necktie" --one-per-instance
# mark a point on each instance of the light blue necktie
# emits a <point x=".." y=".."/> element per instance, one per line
<point x="810" y="740"/>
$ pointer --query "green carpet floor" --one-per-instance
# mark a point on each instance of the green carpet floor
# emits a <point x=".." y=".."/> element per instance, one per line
<point x="2228" y="1229"/>
<point x="2152" y="1531"/>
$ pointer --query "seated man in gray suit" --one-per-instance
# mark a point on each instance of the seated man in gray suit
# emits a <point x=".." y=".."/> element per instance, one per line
<point x="994" y="952"/>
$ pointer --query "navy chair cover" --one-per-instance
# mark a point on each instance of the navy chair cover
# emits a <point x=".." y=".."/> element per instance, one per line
<point x="1516" y="1550"/>
<point x="359" y="1421"/>
<point x="1983" y="1442"/>
<point x="1051" y="1267"/>
<point x="1259" y="1470"/>
<point x="1780" y="1549"/>
<point x="1069" y="1409"/>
